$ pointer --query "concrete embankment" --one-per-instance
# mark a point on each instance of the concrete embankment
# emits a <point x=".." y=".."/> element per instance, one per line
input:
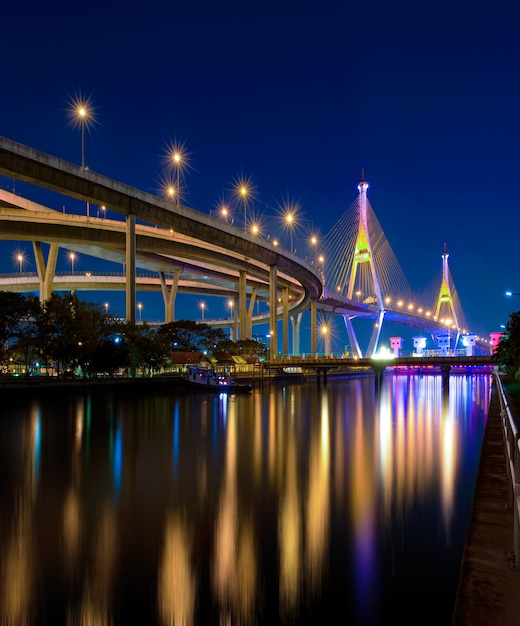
<point x="489" y="586"/>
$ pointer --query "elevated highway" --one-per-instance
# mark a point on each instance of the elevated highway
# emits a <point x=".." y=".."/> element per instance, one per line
<point x="183" y="241"/>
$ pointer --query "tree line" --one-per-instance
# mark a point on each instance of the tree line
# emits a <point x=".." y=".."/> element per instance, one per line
<point x="508" y="350"/>
<point x="66" y="335"/>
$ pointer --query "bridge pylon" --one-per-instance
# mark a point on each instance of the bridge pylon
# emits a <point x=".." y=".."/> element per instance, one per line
<point x="364" y="271"/>
<point x="445" y="306"/>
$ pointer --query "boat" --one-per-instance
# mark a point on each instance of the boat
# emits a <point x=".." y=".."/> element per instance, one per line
<point x="209" y="380"/>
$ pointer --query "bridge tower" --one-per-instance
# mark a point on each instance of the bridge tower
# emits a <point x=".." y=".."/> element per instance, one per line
<point x="445" y="307"/>
<point x="364" y="262"/>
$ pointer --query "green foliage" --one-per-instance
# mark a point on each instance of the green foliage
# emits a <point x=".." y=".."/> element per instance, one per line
<point x="508" y="351"/>
<point x="71" y="335"/>
<point x="190" y="336"/>
<point x="16" y="325"/>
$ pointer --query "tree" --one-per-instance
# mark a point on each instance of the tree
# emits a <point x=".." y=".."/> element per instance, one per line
<point x="508" y="351"/>
<point x="16" y="317"/>
<point x="190" y="336"/>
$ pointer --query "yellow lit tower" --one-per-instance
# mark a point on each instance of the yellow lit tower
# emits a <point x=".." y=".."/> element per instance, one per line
<point x="364" y="264"/>
<point x="445" y="308"/>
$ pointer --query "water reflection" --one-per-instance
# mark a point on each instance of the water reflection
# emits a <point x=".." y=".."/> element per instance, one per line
<point x="268" y="508"/>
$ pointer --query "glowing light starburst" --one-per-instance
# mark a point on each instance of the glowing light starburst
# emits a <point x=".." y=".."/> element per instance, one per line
<point x="19" y="258"/>
<point x="223" y="211"/>
<point x="82" y="112"/>
<point x="245" y="192"/>
<point x="82" y="115"/>
<point x="177" y="160"/>
<point x="289" y="212"/>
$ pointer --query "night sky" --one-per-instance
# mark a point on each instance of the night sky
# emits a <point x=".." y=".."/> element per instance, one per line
<point x="298" y="97"/>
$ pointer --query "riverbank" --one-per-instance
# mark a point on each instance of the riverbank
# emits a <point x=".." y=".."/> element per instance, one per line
<point x="489" y="585"/>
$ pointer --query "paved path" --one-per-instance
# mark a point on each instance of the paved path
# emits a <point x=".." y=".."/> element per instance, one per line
<point x="489" y="587"/>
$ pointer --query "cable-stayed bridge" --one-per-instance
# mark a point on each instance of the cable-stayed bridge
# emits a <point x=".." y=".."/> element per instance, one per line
<point x="194" y="253"/>
<point x="363" y="279"/>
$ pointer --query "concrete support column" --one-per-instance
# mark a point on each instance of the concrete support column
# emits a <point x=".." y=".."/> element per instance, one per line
<point x="250" y="311"/>
<point x="296" y="321"/>
<point x="234" y="327"/>
<point x="130" y="268"/>
<point x="169" y="295"/>
<point x="313" y="325"/>
<point x="242" y="304"/>
<point x="273" y="303"/>
<point x="47" y="270"/>
<point x="285" y="320"/>
<point x="325" y="332"/>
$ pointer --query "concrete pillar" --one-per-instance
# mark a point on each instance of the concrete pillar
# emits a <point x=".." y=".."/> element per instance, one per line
<point x="314" y="322"/>
<point x="273" y="304"/>
<point x="242" y="303"/>
<point x="130" y="268"/>
<point x="169" y="295"/>
<point x="235" y="336"/>
<point x="285" y="319"/>
<point x="47" y="270"/>
<point x="396" y="344"/>
<point x="296" y="321"/>
<point x="250" y="312"/>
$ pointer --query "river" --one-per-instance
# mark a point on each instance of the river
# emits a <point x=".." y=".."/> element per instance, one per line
<point x="300" y="503"/>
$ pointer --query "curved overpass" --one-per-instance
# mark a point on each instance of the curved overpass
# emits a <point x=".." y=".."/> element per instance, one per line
<point x="203" y="253"/>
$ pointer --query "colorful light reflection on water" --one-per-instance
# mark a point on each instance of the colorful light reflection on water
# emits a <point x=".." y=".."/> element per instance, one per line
<point x="284" y="506"/>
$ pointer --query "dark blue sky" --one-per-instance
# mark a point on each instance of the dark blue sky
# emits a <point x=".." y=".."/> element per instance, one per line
<point x="299" y="97"/>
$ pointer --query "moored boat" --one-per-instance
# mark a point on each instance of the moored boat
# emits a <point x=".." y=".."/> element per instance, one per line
<point x="209" y="380"/>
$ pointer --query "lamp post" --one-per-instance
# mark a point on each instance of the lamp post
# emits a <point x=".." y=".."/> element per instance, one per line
<point x="106" y="308"/>
<point x="19" y="258"/>
<point x="140" y="309"/>
<point x="72" y="258"/>
<point x="82" y="113"/>
<point x="177" y="164"/>
<point x="321" y="259"/>
<point x="243" y="195"/>
<point x="512" y="293"/>
<point x="326" y="339"/>
<point x="289" y="218"/>
<point x="202" y="307"/>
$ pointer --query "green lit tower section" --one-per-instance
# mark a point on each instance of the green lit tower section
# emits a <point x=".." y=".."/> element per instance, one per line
<point x="363" y="248"/>
<point x="362" y="255"/>
<point x="444" y="307"/>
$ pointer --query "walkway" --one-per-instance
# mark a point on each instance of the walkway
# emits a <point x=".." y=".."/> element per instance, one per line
<point x="489" y="586"/>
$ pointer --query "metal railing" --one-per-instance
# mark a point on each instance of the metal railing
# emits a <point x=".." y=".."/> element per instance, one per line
<point x="512" y="453"/>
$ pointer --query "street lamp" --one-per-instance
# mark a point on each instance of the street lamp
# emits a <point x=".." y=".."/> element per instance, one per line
<point x="512" y="293"/>
<point x="140" y="309"/>
<point x="19" y="258"/>
<point x="321" y="259"/>
<point x="230" y="305"/>
<point x="177" y="161"/>
<point x="72" y="258"/>
<point x="326" y="339"/>
<point x="106" y="308"/>
<point x="243" y="195"/>
<point x="202" y="307"/>
<point x="289" y="218"/>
